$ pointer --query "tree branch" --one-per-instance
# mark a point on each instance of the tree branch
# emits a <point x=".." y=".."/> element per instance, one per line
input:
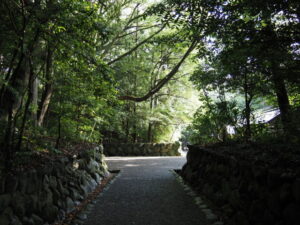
<point x="165" y="80"/>
<point x="136" y="47"/>
<point x="135" y="31"/>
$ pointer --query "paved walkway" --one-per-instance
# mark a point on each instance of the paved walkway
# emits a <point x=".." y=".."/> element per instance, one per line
<point x="145" y="193"/>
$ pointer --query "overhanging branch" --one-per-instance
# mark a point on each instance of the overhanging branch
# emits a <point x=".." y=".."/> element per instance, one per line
<point x="163" y="81"/>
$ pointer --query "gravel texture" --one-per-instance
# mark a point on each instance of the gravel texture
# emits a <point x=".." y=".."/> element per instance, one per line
<point x="145" y="193"/>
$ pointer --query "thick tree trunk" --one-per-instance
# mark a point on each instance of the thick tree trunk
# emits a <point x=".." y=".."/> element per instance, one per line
<point x="47" y="93"/>
<point x="26" y="110"/>
<point x="278" y="79"/>
<point x="9" y="105"/>
<point x="283" y="103"/>
<point x="44" y="104"/>
<point x="12" y="94"/>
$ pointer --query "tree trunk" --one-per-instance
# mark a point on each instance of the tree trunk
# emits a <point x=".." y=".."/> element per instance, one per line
<point x="283" y="103"/>
<point x="134" y="127"/>
<point x="6" y="146"/>
<point x="57" y="144"/>
<point x="134" y="134"/>
<point x="48" y="91"/>
<point x="248" y="132"/>
<point x="11" y="97"/>
<point x="149" y="133"/>
<point x="44" y="104"/>
<point x="224" y="134"/>
<point x="127" y="129"/>
<point x="34" y="100"/>
<point x="152" y="83"/>
<point x="9" y="104"/>
<point x="28" y="102"/>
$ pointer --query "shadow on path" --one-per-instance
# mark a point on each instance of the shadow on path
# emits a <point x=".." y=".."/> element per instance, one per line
<point x="145" y="193"/>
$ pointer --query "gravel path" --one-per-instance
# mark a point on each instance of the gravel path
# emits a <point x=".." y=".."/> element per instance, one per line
<point x="145" y="193"/>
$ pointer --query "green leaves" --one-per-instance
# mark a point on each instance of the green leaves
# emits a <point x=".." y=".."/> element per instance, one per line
<point x="58" y="29"/>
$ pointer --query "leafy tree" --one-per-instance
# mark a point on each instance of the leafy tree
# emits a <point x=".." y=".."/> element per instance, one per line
<point x="265" y="33"/>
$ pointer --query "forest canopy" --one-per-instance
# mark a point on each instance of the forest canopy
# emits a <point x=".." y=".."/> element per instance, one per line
<point x="137" y="71"/>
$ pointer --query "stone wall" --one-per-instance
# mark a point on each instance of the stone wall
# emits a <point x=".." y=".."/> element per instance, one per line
<point x="38" y="197"/>
<point x="247" y="194"/>
<point x="142" y="149"/>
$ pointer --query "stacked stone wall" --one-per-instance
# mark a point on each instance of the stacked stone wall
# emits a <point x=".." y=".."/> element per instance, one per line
<point x="142" y="149"/>
<point x="247" y="194"/>
<point x="43" y="196"/>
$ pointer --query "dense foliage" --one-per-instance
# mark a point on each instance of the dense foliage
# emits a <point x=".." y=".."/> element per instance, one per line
<point x="66" y="66"/>
<point x="251" y="49"/>
<point x="121" y="70"/>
